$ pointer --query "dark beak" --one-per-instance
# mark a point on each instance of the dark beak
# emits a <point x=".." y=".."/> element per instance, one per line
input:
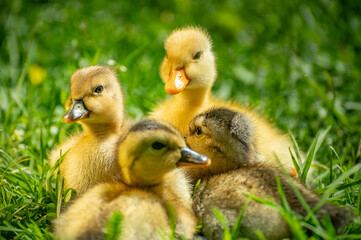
<point x="192" y="158"/>
<point x="76" y="112"/>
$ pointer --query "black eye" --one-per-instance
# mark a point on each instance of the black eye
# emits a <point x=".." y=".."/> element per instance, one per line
<point x="197" y="55"/>
<point x="199" y="131"/>
<point x="99" y="89"/>
<point x="158" y="145"/>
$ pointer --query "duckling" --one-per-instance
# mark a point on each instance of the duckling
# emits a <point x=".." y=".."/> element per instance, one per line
<point x="148" y="151"/>
<point x="231" y="152"/>
<point x="96" y="102"/>
<point x="189" y="71"/>
<point x="227" y="137"/>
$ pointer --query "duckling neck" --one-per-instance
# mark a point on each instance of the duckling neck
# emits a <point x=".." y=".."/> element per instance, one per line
<point x="192" y="98"/>
<point x="101" y="130"/>
<point x="136" y="180"/>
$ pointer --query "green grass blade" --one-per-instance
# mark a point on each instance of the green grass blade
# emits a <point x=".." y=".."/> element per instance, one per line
<point x="359" y="200"/>
<point x="50" y="177"/>
<point x="321" y="138"/>
<point x="113" y="227"/>
<point x="316" y="230"/>
<point x="287" y="212"/>
<point x="196" y="186"/>
<point x="269" y="202"/>
<point x="338" y="158"/>
<point x="10" y="229"/>
<point x="312" y="152"/>
<point x="172" y="219"/>
<point x="335" y="184"/>
<point x="237" y="226"/>
<point x="349" y="185"/>
<point x="60" y="195"/>
<point x="309" y="159"/>
<point x="297" y="151"/>
<point x="223" y="221"/>
<point x="282" y="195"/>
<point x="260" y="235"/>
<point x="350" y="236"/>
<point x="295" y="164"/>
<point x="299" y="196"/>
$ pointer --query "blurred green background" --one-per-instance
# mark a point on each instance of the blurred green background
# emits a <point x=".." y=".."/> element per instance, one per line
<point x="295" y="62"/>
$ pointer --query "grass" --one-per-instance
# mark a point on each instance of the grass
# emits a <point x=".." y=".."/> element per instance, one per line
<point x="295" y="62"/>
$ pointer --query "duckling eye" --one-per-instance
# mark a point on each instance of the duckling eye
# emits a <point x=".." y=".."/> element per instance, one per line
<point x="99" y="89"/>
<point x="158" y="145"/>
<point x="199" y="131"/>
<point x="197" y="55"/>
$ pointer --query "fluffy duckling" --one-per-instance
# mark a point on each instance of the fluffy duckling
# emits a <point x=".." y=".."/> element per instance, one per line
<point x="96" y="102"/>
<point x="189" y="71"/>
<point x="228" y="139"/>
<point x="234" y="146"/>
<point x="146" y="153"/>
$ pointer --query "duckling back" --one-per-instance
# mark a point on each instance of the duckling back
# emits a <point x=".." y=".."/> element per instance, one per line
<point x="226" y="192"/>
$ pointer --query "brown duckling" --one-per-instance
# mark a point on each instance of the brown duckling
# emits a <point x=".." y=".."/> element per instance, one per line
<point x="148" y="151"/>
<point x="227" y="137"/>
<point x="96" y="102"/>
<point x="189" y="71"/>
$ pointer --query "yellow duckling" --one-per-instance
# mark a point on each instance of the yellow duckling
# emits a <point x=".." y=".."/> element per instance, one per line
<point x="96" y="102"/>
<point x="227" y="137"/>
<point x="146" y="153"/>
<point x="189" y="71"/>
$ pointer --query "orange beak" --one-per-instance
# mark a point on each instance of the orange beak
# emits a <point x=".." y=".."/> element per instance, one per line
<point x="183" y="164"/>
<point x="177" y="81"/>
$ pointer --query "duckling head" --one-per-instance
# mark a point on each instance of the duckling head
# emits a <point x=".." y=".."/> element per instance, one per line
<point x="95" y="97"/>
<point x="152" y="148"/>
<point x="189" y="62"/>
<point x="225" y="136"/>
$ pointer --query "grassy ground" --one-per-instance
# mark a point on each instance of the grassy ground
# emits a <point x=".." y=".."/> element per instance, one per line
<point x="296" y="62"/>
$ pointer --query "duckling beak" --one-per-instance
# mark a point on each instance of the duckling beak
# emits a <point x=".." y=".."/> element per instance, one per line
<point x="76" y="112"/>
<point x="177" y="81"/>
<point x="192" y="158"/>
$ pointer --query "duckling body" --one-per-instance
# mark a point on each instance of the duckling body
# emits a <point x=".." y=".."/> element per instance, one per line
<point x="182" y="108"/>
<point x="144" y="213"/>
<point x="225" y="192"/>
<point x="96" y="102"/>
<point x="228" y="139"/>
<point x="90" y="160"/>
<point x="148" y="152"/>
<point x="189" y="71"/>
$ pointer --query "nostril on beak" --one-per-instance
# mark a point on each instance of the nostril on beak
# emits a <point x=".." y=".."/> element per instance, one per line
<point x="185" y="137"/>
